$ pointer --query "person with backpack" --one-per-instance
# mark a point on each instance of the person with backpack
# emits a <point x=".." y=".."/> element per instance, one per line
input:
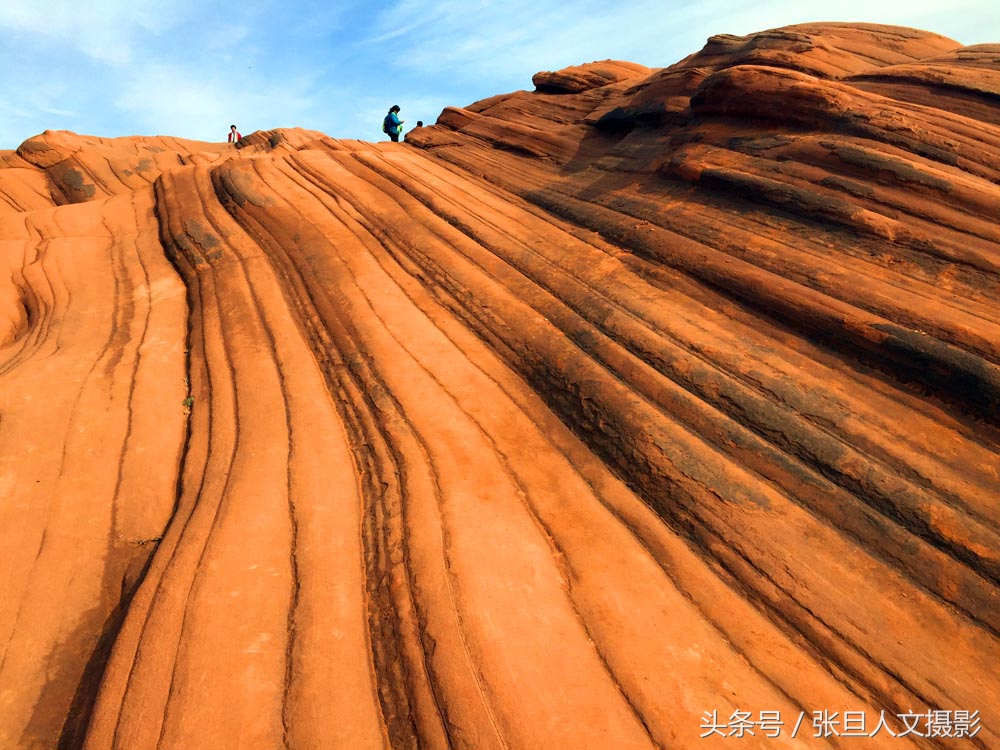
<point x="392" y="125"/>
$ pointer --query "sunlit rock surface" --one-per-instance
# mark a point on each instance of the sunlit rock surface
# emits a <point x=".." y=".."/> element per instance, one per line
<point x="581" y="414"/>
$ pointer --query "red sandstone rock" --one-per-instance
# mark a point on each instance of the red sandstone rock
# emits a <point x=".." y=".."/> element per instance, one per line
<point x="579" y="78"/>
<point x="965" y="81"/>
<point x="825" y="50"/>
<point x="574" y="417"/>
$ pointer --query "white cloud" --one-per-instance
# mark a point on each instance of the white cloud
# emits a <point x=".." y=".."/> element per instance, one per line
<point x="227" y="38"/>
<point x="967" y="21"/>
<point x="58" y="112"/>
<point x="107" y="30"/>
<point x="117" y="67"/>
<point x="200" y="104"/>
<point x="9" y="109"/>
<point x="32" y="106"/>
<point x="512" y="36"/>
<point x="189" y="68"/>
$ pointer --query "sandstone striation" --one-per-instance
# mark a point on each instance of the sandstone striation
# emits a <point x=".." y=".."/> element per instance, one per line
<point x="581" y="415"/>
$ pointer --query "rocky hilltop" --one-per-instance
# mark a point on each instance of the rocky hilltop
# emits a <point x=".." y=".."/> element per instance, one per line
<point x="602" y="416"/>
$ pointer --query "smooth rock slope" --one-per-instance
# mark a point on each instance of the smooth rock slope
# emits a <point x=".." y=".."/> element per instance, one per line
<point x="579" y="418"/>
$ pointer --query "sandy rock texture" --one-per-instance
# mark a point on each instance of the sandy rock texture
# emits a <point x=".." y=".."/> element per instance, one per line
<point x="578" y="418"/>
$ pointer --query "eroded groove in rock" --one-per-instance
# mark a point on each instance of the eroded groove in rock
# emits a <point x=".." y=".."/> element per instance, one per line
<point x="520" y="324"/>
<point x="795" y="435"/>
<point x="582" y="413"/>
<point x="451" y="689"/>
<point x="92" y="422"/>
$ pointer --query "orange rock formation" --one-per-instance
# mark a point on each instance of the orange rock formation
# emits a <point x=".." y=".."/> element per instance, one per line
<point x="579" y="416"/>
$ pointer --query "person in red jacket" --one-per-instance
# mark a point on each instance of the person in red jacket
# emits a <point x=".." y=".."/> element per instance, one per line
<point x="233" y="135"/>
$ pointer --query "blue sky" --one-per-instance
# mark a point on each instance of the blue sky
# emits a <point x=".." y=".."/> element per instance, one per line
<point x="190" y="68"/>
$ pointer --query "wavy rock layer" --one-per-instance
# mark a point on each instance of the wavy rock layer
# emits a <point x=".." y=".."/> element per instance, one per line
<point x="583" y="413"/>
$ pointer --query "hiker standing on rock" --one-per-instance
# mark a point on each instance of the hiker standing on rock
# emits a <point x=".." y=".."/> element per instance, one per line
<point x="234" y="136"/>
<point x="392" y="125"/>
<point x="420" y="124"/>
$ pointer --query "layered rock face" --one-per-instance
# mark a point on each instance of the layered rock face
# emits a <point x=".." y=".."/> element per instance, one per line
<point x="608" y="415"/>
